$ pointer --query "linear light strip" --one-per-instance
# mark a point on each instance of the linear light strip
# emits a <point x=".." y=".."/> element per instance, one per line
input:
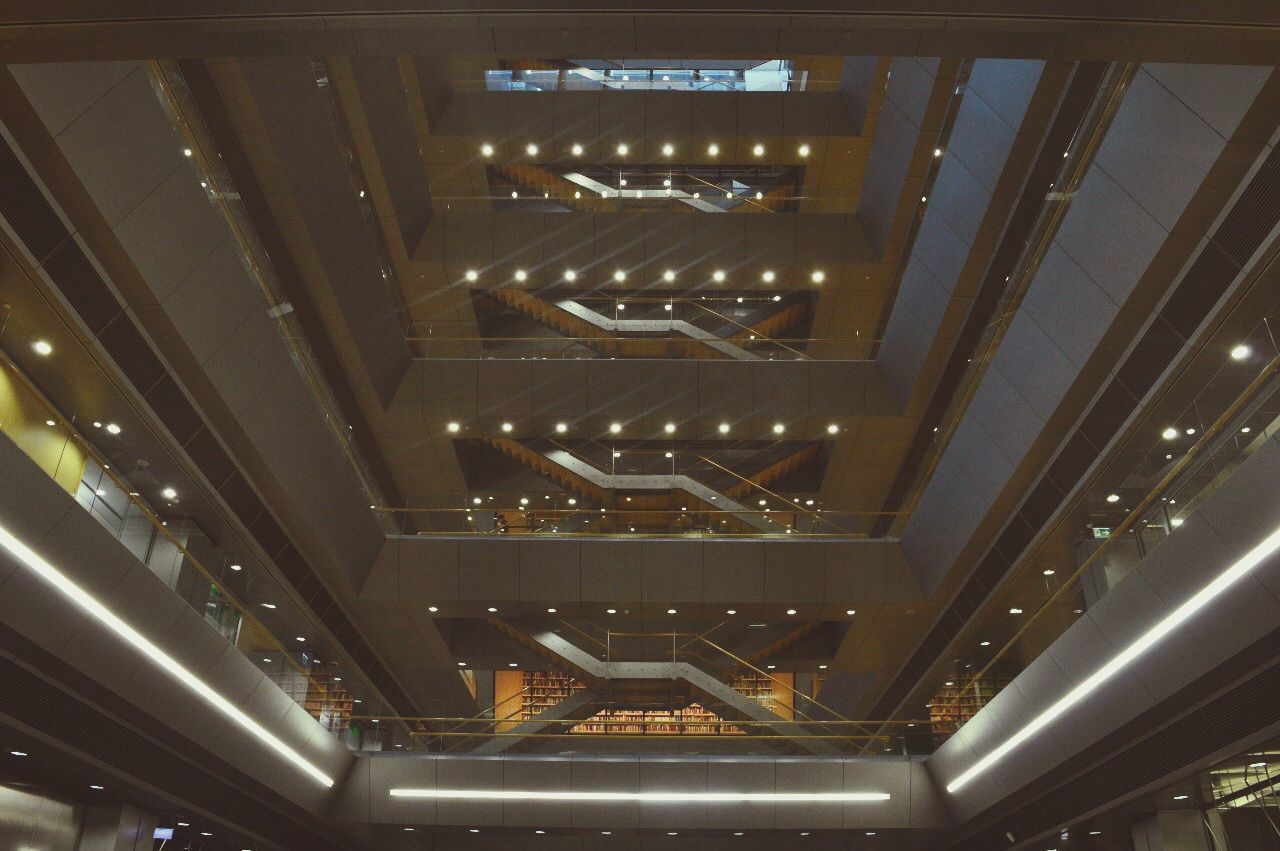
<point x="91" y="606"/>
<point x="647" y="797"/>
<point x="1140" y="645"/>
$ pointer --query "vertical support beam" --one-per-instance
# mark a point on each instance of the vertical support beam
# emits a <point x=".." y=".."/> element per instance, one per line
<point x="117" y="827"/>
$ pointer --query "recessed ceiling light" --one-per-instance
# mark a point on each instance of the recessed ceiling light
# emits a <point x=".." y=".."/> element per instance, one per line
<point x="551" y="611"/>
<point x="42" y="347"/>
<point x="475" y="500"/>
<point x="236" y="567"/>
<point x="531" y="149"/>
<point x="771" y="667"/>
<point x="576" y="150"/>
<point x="472" y="274"/>
<point x="622" y="150"/>
<point x="1048" y="571"/>
<point x="112" y="428"/>
<point x="668" y="149"/>
<point x="454" y="427"/>
<point x="570" y="275"/>
<point x="615" y="428"/>
<point x="724" y="428"/>
<point x="50" y="423"/>
<point x="561" y="428"/>
<point x="1241" y="352"/>
<point x="779" y="428"/>
<point x="97" y="424"/>
<point x="1245" y="430"/>
<point x="822" y="667"/>
<point x="713" y="149"/>
<point x="984" y="643"/>
<point x="507" y="427"/>
<point x="267" y="605"/>
<point x="718" y="274"/>
<point x="610" y="611"/>
<point x="1113" y="497"/>
<point x="1170" y="433"/>
<point x="833" y="428"/>
<point x="730" y="611"/>
<point x="186" y="152"/>
<point x="850" y="612"/>
<point x="763" y="502"/>
<point x="1015" y="611"/>
<point x="1176" y="522"/>
<point x="619" y="275"/>
<point x="486" y="149"/>
<point x="17" y="753"/>
<point x="768" y="276"/>
<point x="462" y="664"/>
<point x="1181" y="797"/>
<point x="758" y="150"/>
<point x="937" y="152"/>
<point x="1191" y="431"/>
<point x="511" y="664"/>
<point x="818" y="276"/>
<point x="169" y="493"/>
<point x="521" y="275"/>
<point x="492" y="610"/>
<point x="669" y="428"/>
<point x="524" y="500"/>
<point x="791" y="611"/>
<point x="671" y="611"/>
<point x="95" y="787"/>
<point x="669" y="275"/>
<point x="433" y="609"/>
<point x="804" y="150"/>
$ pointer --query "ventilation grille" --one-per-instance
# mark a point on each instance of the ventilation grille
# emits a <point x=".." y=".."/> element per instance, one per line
<point x="31" y="216"/>
<point x="1189" y="304"/>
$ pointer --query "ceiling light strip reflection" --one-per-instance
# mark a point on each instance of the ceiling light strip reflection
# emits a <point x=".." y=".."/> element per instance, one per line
<point x="90" y="605"/>
<point x="1122" y="660"/>
<point x="644" y="797"/>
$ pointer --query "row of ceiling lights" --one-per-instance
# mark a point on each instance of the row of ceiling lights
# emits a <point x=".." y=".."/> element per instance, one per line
<point x="620" y="275"/>
<point x="493" y="610"/>
<point x="454" y="427"/>
<point x="623" y="149"/>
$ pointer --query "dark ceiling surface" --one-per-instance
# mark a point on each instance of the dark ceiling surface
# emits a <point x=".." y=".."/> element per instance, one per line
<point x="874" y="310"/>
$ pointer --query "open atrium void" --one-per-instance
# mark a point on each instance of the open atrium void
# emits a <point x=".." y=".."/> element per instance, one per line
<point x="856" y="430"/>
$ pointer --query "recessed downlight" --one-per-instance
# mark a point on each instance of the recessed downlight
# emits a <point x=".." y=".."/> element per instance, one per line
<point x="42" y="347"/>
<point x="91" y="606"/>
<point x="486" y="149"/>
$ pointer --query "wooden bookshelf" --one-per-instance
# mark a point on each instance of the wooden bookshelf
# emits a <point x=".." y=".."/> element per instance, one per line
<point x="540" y="690"/>
<point x="953" y="705"/>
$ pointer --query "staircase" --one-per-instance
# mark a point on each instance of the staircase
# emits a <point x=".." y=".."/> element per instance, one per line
<point x="578" y="706"/>
<point x="773" y="472"/>
<point x="788" y="317"/>
<point x="551" y="185"/>
<point x="551" y="470"/>
<point x="714" y="692"/>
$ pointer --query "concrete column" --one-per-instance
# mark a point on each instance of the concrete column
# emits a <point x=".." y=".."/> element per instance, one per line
<point x="1173" y="830"/>
<point x="117" y="827"/>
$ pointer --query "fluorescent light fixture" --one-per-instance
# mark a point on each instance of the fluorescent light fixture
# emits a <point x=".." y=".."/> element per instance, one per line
<point x="644" y="797"/>
<point x="1126" y="657"/>
<point x="90" y="605"/>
